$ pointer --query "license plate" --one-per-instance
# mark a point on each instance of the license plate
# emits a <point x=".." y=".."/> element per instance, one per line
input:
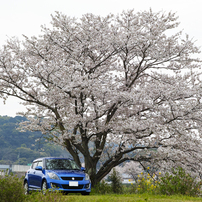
<point x="73" y="184"/>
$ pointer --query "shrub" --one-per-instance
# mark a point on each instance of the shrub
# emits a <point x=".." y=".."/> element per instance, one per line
<point x="116" y="184"/>
<point x="11" y="189"/>
<point x="145" y="184"/>
<point x="179" y="182"/>
<point x="102" y="188"/>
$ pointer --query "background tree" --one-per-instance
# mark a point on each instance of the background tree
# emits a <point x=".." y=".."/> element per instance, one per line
<point x="116" y="184"/>
<point x="23" y="147"/>
<point x="110" y="89"/>
<point x="131" y="168"/>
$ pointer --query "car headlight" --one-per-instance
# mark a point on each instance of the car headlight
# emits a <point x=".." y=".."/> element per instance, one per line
<point x="53" y="176"/>
<point x="87" y="176"/>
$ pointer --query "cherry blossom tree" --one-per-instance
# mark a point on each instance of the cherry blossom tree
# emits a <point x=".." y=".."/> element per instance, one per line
<point x="110" y="89"/>
<point x="133" y="169"/>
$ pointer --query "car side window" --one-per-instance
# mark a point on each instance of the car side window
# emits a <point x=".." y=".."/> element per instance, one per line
<point x="34" y="164"/>
<point x="40" y="163"/>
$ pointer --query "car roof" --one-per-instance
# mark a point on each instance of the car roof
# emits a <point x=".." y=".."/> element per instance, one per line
<point x="40" y="159"/>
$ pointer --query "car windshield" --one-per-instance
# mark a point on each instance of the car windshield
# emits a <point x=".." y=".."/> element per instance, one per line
<point x="61" y="164"/>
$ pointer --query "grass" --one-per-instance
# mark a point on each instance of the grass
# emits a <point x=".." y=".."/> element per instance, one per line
<point x="115" y="198"/>
<point x="129" y="198"/>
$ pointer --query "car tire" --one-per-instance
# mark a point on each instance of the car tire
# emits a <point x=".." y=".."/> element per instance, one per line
<point x="26" y="188"/>
<point x="44" y="187"/>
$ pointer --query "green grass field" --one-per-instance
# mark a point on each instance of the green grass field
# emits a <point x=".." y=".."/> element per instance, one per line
<point x="113" y="198"/>
<point x="129" y="198"/>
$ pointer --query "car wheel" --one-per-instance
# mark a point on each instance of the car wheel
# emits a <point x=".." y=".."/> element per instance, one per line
<point x="26" y="188"/>
<point x="85" y="193"/>
<point x="44" y="187"/>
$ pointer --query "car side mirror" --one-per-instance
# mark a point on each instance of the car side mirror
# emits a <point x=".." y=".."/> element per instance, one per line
<point x="38" y="168"/>
<point x="83" y="169"/>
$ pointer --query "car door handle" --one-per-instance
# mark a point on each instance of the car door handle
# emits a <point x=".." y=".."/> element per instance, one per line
<point x="34" y="172"/>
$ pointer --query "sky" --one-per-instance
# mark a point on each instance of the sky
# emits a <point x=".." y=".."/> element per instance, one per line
<point x="24" y="17"/>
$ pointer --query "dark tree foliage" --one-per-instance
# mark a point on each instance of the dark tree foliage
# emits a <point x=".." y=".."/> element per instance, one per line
<point x="22" y="147"/>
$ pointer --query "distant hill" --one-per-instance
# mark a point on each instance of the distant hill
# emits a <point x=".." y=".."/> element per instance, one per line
<point x="21" y="147"/>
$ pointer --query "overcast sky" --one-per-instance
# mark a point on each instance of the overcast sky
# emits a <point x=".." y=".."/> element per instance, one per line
<point x="24" y="17"/>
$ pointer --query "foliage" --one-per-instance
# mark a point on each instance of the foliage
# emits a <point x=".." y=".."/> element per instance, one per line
<point x="146" y="184"/>
<point x="102" y="188"/>
<point x="116" y="183"/>
<point x="179" y="182"/>
<point x="11" y="189"/>
<point x="22" y="147"/>
<point x="110" y="89"/>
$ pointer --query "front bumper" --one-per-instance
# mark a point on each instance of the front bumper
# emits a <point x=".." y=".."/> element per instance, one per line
<point x="63" y="185"/>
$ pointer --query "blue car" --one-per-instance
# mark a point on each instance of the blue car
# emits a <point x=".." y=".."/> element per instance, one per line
<point x="62" y="174"/>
